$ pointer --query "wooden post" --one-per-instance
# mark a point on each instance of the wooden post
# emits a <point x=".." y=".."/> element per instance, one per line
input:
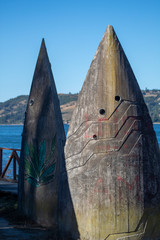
<point x="1" y="161"/>
<point x="16" y="157"/>
<point x="14" y="167"/>
<point x="7" y="165"/>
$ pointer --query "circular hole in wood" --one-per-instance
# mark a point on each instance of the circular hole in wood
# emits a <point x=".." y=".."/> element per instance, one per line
<point x="117" y="98"/>
<point x="31" y="102"/>
<point x="94" y="136"/>
<point x="102" y="111"/>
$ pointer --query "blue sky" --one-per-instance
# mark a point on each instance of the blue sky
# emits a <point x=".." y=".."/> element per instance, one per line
<point x="72" y="32"/>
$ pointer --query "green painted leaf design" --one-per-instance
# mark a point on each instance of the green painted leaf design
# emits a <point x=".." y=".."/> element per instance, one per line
<point x="36" y="170"/>
<point x="32" y="181"/>
<point x="34" y="158"/>
<point x="48" y="171"/>
<point x="47" y="179"/>
<point x="52" y="149"/>
<point x="42" y="155"/>
<point x="29" y="170"/>
<point x="32" y="151"/>
<point x="27" y="164"/>
<point x="53" y="144"/>
<point x="26" y="150"/>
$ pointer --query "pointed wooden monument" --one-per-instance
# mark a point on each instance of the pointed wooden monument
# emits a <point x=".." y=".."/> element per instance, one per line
<point x="112" y="154"/>
<point x="42" y="148"/>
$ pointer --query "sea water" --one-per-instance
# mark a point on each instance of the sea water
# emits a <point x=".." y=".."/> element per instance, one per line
<point x="10" y="137"/>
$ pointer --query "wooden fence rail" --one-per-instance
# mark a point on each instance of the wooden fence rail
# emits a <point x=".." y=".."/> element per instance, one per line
<point x="14" y="156"/>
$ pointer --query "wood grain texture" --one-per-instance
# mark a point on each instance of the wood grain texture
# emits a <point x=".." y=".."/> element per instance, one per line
<point x="42" y="150"/>
<point x="112" y="154"/>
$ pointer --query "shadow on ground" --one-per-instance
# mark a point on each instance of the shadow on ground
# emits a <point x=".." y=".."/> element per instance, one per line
<point x="13" y="226"/>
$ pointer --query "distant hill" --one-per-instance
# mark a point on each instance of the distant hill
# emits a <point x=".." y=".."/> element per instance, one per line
<point x="152" y="99"/>
<point x="12" y="111"/>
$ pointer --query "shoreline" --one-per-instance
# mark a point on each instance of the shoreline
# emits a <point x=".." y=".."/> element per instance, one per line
<point x="20" y="124"/>
<point x="12" y="124"/>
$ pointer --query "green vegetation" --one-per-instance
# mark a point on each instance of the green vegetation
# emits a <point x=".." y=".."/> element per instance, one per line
<point x="152" y="99"/>
<point x="12" y="111"/>
<point x="66" y="98"/>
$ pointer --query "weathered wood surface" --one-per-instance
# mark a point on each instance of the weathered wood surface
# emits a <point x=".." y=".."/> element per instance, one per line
<point x="112" y="154"/>
<point x="42" y="150"/>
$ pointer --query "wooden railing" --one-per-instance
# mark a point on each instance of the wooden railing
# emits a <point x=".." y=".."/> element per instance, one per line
<point x="14" y="156"/>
